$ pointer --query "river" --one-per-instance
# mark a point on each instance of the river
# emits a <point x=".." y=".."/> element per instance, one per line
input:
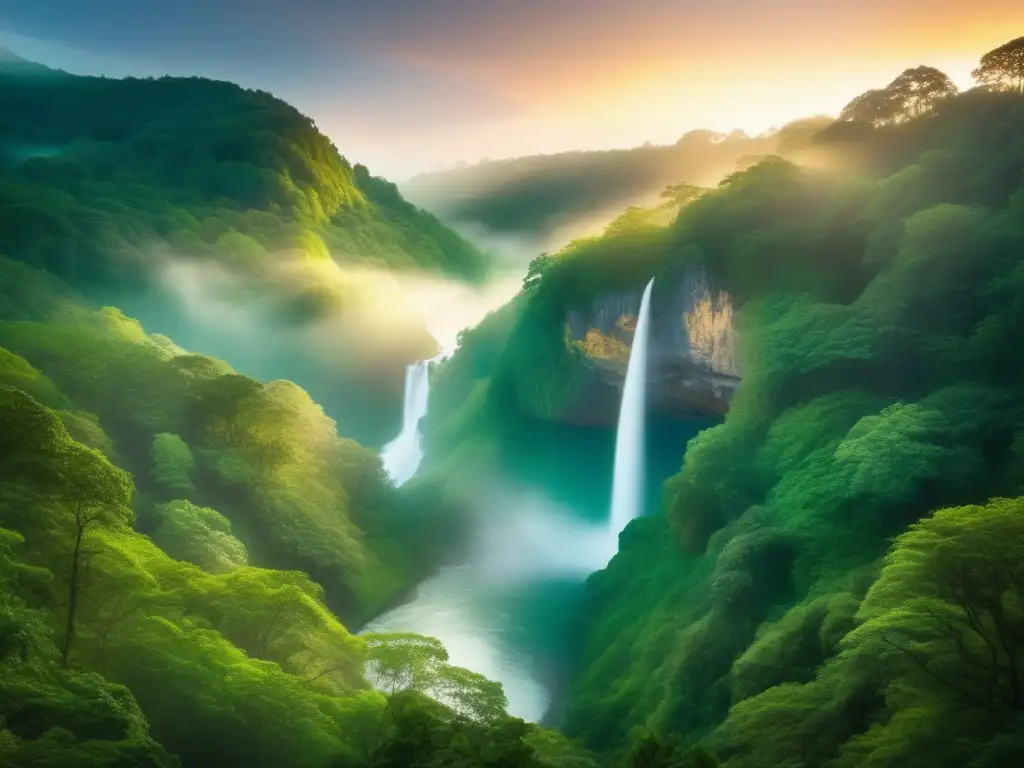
<point x="507" y="612"/>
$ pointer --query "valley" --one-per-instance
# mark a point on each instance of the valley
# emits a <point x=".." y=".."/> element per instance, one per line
<point x="705" y="454"/>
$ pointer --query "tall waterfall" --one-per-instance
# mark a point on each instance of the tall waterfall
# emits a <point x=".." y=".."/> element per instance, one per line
<point x="628" y="481"/>
<point x="402" y="455"/>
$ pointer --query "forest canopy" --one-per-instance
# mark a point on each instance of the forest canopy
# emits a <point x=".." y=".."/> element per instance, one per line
<point x="101" y="174"/>
<point x="176" y="564"/>
<point x="833" y="576"/>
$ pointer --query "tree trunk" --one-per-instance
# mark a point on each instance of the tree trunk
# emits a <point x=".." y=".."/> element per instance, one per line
<point x="69" y="629"/>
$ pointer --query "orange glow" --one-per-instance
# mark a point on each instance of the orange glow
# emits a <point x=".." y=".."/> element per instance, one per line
<point x="593" y="90"/>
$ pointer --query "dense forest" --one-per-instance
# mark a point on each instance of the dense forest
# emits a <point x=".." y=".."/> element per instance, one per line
<point x="123" y="186"/>
<point x="186" y="553"/>
<point x="835" y="577"/>
<point x="176" y="562"/>
<point x="98" y="172"/>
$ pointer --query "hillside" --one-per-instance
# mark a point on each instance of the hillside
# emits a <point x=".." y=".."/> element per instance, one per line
<point x="166" y="196"/>
<point x="833" y="577"/>
<point x="176" y="562"/>
<point x="188" y="427"/>
<point x="548" y="200"/>
<point x="186" y="551"/>
<point x="207" y="169"/>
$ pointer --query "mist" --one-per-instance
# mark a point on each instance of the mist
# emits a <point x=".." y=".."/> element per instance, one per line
<point x="447" y="307"/>
<point x="527" y="554"/>
<point x="513" y="251"/>
<point x="344" y="333"/>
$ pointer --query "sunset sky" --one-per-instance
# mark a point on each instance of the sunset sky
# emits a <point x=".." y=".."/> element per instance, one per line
<point x="409" y="85"/>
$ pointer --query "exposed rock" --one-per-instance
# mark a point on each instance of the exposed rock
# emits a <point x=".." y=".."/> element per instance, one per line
<point x="693" y="363"/>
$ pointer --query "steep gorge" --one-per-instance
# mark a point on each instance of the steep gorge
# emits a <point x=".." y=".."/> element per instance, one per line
<point x="693" y="368"/>
<point x="864" y="359"/>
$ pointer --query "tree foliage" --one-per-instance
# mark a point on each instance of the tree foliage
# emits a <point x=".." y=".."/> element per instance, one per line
<point x="1003" y="67"/>
<point x="913" y="93"/>
<point x="179" y="652"/>
<point x="172" y="463"/>
<point x="199" y="535"/>
<point x="875" y="298"/>
<point x="835" y="580"/>
<point x="232" y="664"/>
<point x="101" y="173"/>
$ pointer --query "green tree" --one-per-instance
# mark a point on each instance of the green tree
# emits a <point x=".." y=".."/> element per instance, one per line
<point x="912" y="93"/>
<point x="217" y="405"/>
<point x="949" y="605"/>
<point x="31" y="432"/>
<point x="650" y="751"/>
<point x="172" y="462"/>
<point x="889" y="453"/>
<point x="876" y="107"/>
<point x="402" y="661"/>
<point x="51" y="717"/>
<point x="97" y="493"/>
<point x="678" y="195"/>
<point x="535" y="271"/>
<point x="1003" y="67"/>
<point x="470" y="694"/>
<point x="404" y="664"/>
<point x="199" y="535"/>
<point x="23" y="632"/>
<point x="917" y="91"/>
<point x="241" y="251"/>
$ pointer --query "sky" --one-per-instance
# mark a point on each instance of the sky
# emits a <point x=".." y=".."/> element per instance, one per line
<point x="407" y="86"/>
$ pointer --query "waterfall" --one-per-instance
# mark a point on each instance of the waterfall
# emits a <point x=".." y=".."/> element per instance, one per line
<point x="628" y="480"/>
<point x="402" y="455"/>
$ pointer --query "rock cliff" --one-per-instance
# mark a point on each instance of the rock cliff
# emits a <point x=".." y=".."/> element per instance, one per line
<point x="693" y="362"/>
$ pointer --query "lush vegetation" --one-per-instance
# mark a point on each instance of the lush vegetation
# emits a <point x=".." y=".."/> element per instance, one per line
<point x="882" y="382"/>
<point x="156" y="194"/>
<point x="104" y="176"/>
<point x="174" y="561"/>
<point x="179" y="548"/>
<point x="207" y="446"/>
<point x="836" y="576"/>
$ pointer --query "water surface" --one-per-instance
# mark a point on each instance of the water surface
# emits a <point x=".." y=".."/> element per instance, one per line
<point x="508" y="611"/>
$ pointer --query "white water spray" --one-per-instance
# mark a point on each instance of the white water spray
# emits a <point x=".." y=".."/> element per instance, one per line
<point x="402" y="456"/>
<point x="628" y="480"/>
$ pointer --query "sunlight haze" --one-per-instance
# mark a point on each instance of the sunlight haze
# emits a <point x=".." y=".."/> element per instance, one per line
<point x="490" y="81"/>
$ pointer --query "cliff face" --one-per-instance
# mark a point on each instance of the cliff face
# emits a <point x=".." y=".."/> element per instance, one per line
<point x="693" y="366"/>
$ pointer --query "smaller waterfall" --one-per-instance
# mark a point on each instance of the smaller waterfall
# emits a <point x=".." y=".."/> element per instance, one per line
<point x="402" y="455"/>
<point x="628" y="479"/>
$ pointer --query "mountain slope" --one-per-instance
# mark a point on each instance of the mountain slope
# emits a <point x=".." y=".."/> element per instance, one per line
<point x="101" y="164"/>
<point x="834" y="576"/>
<point x="551" y="199"/>
<point x="218" y="215"/>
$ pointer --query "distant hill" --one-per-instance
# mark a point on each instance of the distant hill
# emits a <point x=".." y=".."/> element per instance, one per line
<point x="535" y="195"/>
<point x="97" y="162"/>
<point x="12" y="63"/>
<point x="541" y="196"/>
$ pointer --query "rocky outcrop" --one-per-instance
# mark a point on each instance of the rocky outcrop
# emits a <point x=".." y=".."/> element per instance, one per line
<point x="693" y="363"/>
